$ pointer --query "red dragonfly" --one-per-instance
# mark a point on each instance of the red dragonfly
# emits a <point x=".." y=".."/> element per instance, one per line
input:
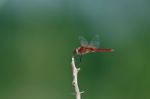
<point x="93" y="46"/>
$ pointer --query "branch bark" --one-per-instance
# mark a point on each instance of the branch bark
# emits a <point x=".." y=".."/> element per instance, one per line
<point x="75" y="71"/>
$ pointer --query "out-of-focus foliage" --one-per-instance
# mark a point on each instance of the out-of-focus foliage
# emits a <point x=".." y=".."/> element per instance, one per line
<point x="37" y="38"/>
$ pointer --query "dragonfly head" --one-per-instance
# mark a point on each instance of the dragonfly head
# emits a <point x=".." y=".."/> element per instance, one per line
<point x="76" y="51"/>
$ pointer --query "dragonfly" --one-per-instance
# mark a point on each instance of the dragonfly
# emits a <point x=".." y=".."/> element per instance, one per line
<point x="91" y="47"/>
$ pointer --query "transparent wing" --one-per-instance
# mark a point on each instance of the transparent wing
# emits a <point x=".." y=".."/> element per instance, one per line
<point x="95" y="42"/>
<point x="83" y="41"/>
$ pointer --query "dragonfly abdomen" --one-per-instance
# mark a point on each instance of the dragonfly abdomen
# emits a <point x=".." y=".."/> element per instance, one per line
<point x="104" y="50"/>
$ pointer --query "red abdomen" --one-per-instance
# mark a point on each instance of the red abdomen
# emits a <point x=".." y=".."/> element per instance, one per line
<point x="104" y="50"/>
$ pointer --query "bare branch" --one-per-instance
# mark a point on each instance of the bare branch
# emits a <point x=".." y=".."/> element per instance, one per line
<point x="75" y="71"/>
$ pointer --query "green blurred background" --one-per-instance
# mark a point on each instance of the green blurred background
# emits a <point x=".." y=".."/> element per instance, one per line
<point x="37" y="38"/>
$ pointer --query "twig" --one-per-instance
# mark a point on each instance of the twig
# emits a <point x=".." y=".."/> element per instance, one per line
<point x="75" y="71"/>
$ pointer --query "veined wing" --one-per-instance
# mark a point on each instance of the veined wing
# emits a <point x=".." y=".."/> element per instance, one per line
<point x="83" y="41"/>
<point x="95" y="42"/>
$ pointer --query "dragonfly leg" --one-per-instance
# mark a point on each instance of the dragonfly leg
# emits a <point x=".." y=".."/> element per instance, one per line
<point x="80" y="58"/>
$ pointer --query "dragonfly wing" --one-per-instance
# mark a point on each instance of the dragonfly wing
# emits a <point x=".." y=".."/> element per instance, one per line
<point x="83" y="41"/>
<point x="95" y="42"/>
